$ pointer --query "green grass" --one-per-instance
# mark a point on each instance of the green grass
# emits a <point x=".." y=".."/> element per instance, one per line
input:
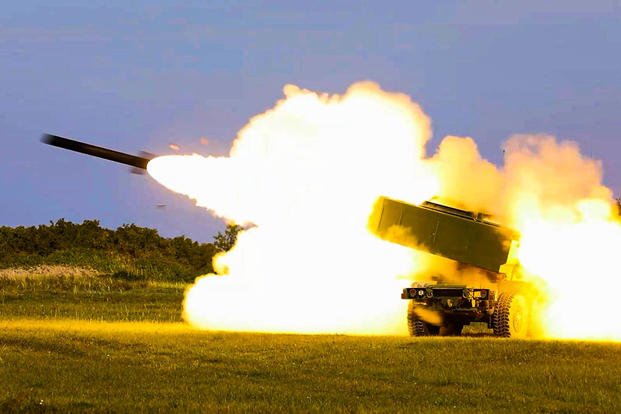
<point x="134" y="304"/>
<point x="49" y="292"/>
<point x="147" y="267"/>
<point x="127" y="367"/>
<point x="88" y="342"/>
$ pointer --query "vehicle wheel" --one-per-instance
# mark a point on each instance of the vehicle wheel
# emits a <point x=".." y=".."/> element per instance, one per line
<point x="418" y="327"/>
<point x="511" y="317"/>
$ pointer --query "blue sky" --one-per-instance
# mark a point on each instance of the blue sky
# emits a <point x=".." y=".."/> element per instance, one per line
<point x="142" y="76"/>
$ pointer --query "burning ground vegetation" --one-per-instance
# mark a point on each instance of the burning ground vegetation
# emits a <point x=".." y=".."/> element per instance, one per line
<point x="303" y="176"/>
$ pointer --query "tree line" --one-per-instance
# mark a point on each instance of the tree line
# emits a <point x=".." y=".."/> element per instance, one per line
<point x="128" y="251"/>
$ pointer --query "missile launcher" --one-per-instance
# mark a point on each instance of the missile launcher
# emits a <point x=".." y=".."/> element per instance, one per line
<point x="438" y="306"/>
<point x="477" y="244"/>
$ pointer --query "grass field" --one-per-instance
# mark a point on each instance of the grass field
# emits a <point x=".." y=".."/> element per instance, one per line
<point x="113" y="346"/>
<point x="52" y="292"/>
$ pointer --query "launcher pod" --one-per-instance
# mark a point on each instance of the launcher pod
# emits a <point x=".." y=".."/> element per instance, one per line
<point x="483" y="283"/>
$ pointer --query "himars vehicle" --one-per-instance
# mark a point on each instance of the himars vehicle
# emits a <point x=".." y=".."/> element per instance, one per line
<point x="445" y="303"/>
<point x="493" y="290"/>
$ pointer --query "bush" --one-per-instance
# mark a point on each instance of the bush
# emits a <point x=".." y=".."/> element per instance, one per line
<point x="129" y="252"/>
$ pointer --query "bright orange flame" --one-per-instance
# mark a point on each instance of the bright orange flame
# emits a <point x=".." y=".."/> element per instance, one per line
<point x="306" y="174"/>
<point x="553" y="195"/>
<point x="577" y="259"/>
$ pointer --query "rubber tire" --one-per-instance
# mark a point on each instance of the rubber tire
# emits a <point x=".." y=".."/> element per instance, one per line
<point x="511" y="319"/>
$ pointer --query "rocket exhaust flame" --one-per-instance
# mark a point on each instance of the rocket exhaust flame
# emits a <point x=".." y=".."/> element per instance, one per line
<point x="306" y="174"/>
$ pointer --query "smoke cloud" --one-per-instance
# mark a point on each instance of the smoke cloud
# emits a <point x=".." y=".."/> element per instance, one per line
<point x="306" y="174"/>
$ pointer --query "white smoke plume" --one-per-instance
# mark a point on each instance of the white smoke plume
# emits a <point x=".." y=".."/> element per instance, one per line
<point x="306" y="173"/>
